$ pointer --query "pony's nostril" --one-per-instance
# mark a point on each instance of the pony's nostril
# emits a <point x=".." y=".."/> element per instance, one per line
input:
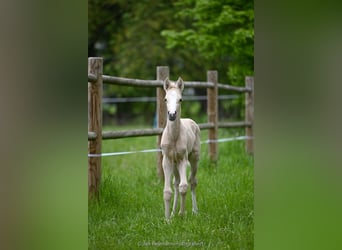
<point x="172" y="116"/>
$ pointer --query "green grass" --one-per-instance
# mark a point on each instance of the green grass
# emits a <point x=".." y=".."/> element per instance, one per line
<point x="130" y="214"/>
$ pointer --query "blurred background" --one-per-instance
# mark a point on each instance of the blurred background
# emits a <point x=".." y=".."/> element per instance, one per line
<point x="189" y="36"/>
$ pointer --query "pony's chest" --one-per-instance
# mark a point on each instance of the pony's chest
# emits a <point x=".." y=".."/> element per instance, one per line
<point x="175" y="152"/>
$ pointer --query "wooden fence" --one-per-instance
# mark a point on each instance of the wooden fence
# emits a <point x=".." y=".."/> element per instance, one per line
<point x="95" y="134"/>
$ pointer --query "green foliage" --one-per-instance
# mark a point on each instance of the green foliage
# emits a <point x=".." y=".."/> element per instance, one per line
<point x="218" y="29"/>
<point x="130" y="214"/>
<point x="191" y="37"/>
<point x="131" y="45"/>
<point x="191" y="109"/>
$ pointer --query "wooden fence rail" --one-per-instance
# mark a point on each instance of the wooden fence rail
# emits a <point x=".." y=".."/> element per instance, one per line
<point x="95" y="134"/>
<point x="151" y="83"/>
<point x="107" y="135"/>
<point x="114" y="80"/>
<point x="131" y="133"/>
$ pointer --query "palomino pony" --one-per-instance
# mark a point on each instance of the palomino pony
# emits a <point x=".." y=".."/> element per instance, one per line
<point x="180" y="144"/>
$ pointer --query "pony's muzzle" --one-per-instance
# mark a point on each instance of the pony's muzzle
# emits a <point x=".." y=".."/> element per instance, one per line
<point x="172" y="116"/>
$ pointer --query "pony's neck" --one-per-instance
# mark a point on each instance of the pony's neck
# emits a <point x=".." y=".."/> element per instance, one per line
<point x="173" y="129"/>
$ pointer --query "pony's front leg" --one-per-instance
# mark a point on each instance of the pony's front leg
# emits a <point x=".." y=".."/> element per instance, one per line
<point x="176" y="195"/>
<point x="167" y="167"/>
<point x="183" y="186"/>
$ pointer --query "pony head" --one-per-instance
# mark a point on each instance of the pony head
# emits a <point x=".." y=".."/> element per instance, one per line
<point x="173" y="97"/>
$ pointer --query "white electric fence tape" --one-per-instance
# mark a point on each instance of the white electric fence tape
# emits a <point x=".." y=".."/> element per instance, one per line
<point x="159" y="150"/>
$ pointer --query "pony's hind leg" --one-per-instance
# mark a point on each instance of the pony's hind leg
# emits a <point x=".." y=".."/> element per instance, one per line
<point x="193" y="183"/>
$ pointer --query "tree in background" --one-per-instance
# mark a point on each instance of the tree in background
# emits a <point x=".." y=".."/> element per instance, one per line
<point x="220" y="30"/>
<point x="190" y="37"/>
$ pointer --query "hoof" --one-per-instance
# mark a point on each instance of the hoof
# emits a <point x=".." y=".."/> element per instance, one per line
<point x="182" y="214"/>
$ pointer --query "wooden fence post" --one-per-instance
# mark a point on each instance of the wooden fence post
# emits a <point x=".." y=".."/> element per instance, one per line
<point x="95" y="65"/>
<point x="162" y="74"/>
<point x="249" y="113"/>
<point x="212" y="76"/>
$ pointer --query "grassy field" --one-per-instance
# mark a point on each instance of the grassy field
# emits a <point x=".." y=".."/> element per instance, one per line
<point x="130" y="214"/>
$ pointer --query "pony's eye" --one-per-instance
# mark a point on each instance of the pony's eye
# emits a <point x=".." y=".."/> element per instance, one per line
<point x="180" y="100"/>
<point x="165" y="100"/>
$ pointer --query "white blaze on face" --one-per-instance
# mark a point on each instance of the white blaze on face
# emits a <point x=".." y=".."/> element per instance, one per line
<point x="173" y="103"/>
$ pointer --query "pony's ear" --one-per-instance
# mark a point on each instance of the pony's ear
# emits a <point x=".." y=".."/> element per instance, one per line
<point x="166" y="83"/>
<point x="180" y="83"/>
